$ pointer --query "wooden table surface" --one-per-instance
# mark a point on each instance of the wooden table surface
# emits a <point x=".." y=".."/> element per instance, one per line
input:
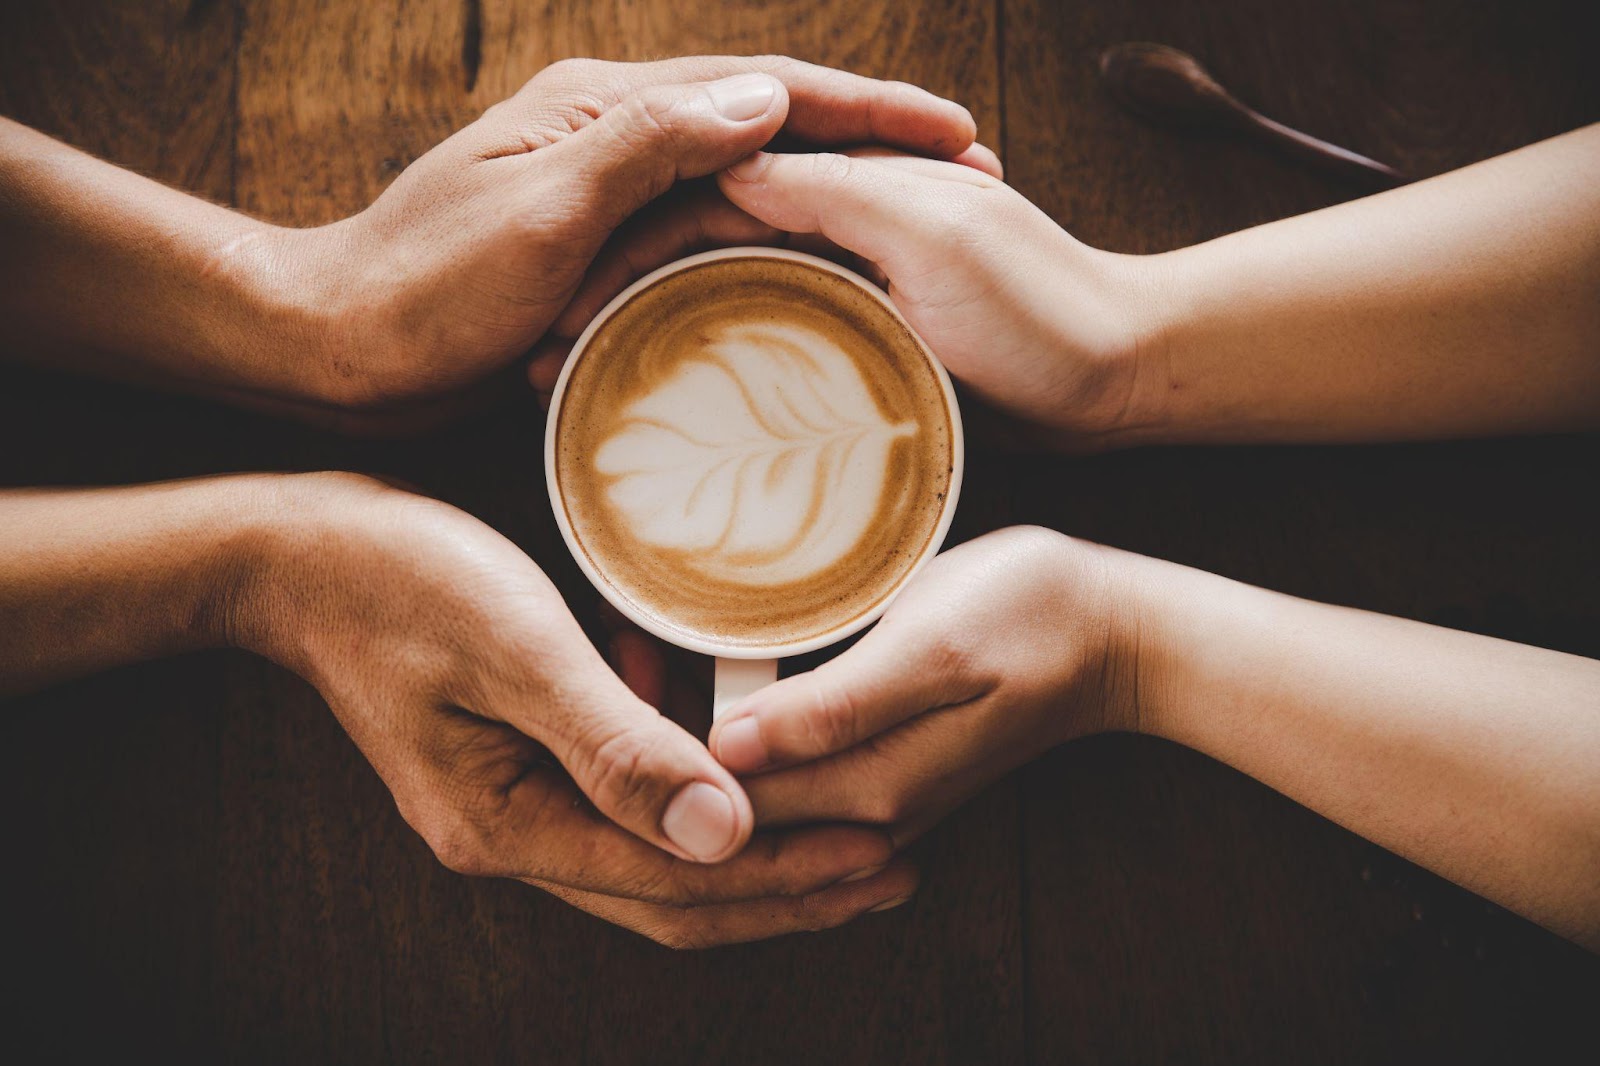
<point x="202" y="868"/>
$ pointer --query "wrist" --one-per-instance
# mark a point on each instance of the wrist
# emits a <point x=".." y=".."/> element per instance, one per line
<point x="121" y="276"/>
<point x="300" y="564"/>
<point x="1196" y="380"/>
<point x="286" y="528"/>
<point x="103" y="576"/>
<point x="1121" y="349"/>
<point x="290" y="319"/>
<point x="242" y="516"/>
<point x="1144" y="296"/>
<point x="1195" y="636"/>
<point x="1100" y="611"/>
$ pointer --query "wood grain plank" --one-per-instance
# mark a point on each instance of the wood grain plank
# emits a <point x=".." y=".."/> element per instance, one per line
<point x="1176" y="909"/>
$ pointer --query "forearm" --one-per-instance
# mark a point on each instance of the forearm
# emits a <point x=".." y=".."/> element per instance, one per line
<point x="1475" y="757"/>
<point x="92" y="578"/>
<point x="1464" y="305"/>
<point x="105" y="272"/>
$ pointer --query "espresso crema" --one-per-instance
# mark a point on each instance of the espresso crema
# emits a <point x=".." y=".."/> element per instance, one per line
<point x="753" y="452"/>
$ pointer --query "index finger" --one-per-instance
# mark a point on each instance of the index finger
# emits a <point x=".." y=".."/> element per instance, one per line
<point x="826" y="105"/>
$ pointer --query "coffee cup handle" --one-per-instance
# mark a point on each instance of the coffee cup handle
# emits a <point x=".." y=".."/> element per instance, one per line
<point x="737" y="678"/>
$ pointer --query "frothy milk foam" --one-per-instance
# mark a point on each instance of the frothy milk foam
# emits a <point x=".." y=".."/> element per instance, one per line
<point x="753" y="451"/>
<point x="762" y="461"/>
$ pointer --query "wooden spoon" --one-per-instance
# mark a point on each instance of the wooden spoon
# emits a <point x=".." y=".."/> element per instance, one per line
<point x="1161" y="83"/>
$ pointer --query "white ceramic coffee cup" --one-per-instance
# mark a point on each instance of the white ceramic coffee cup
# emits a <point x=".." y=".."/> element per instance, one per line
<point x="741" y="670"/>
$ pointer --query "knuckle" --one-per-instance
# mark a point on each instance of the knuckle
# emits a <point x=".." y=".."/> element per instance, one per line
<point x="1032" y="541"/>
<point x="682" y="893"/>
<point x="575" y="70"/>
<point x="461" y="823"/>
<point x="833" y="720"/>
<point x="832" y="168"/>
<point x="648" y="118"/>
<point x="616" y="771"/>
<point x="882" y="806"/>
<point x="775" y="62"/>
<point x="462" y="845"/>
<point x="659" y="883"/>
<point x="678" y="935"/>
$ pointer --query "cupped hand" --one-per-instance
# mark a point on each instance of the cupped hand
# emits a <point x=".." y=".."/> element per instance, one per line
<point x="1000" y="649"/>
<point x="460" y="265"/>
<point x="508" y="743"/>
<point x="693" y="217"/>
<point x="1038" y="325"/>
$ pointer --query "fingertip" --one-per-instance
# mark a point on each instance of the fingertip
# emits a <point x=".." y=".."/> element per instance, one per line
<point x="749" y="169"/>
<point x="748" y="97"/>
<point x="948" y="124"/>
<point x="764" y="730"/>
<point x="702" y="821"/>
<point x="780" y="101"/>
<point x="890" y="904"/>
<point x="880" y="890"/>
<point x="982" y="158"/>
<point x="869" y="850"/>
<point x="966" y="125"/>
<point x="739" y="746"/>
<point x="745" y="186"/>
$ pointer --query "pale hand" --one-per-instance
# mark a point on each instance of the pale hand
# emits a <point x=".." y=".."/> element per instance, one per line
<point x="1036" y="324"/>
<point x="998" y="651"/>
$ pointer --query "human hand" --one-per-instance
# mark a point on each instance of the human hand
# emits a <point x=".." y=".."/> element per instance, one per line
<point x="1472" y="756"/>
<point x="1033" y="322"/>
<point x="1000" y="649"/>
<point x="453" y="664"/>
<point x="460" y="265"/>
<point x="693" y="217"/>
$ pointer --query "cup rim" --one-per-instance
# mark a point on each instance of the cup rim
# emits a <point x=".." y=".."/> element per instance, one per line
<point x="687" y="641"/>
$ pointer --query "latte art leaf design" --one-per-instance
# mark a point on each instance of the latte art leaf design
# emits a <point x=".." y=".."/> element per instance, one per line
<point x="762" y="460"/>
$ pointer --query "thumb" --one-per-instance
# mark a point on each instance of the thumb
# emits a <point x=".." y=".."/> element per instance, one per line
<point x="640" y="769"/>
<point x="640" y="146"/>
<point x="889" y="676"/>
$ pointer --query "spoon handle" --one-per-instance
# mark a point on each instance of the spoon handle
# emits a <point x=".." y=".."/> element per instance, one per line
<point x="1329" y="157"/>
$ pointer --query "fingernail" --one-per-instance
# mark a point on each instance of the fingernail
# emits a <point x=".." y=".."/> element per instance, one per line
<point x="862" y="875"/>
<point x="743" y="97"/>
<point x="700" y="820"/>
<point x="889" y="904"/>
<point x="751" y="168"/>
<point x="739" y="746"/>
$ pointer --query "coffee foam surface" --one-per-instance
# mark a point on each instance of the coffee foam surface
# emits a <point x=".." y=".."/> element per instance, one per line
<point x="753" y="451"/>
